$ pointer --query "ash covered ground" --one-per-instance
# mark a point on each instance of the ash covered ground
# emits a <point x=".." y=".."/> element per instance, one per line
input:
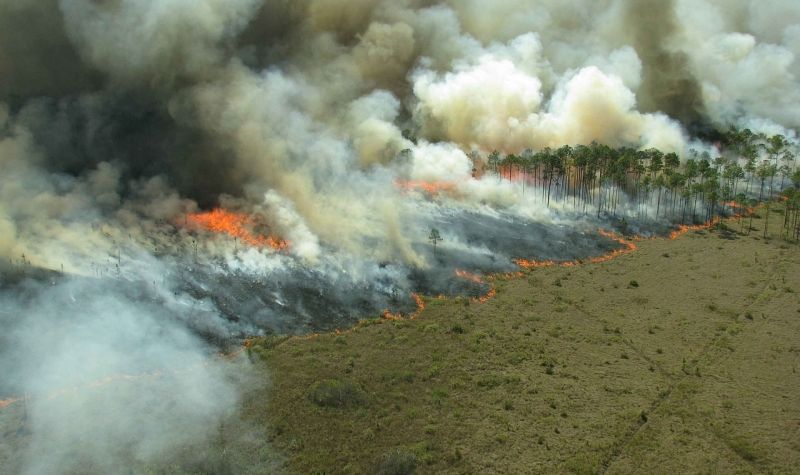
<point x="294" y="298"/>
<point x="225" y="289"/>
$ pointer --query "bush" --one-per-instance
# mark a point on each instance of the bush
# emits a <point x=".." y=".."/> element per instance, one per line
<point x="396" y="462"/>
<point x="335" y="393"/>
<point x="633" y="284"/>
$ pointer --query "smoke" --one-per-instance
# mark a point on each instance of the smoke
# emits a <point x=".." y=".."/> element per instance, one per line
<point x="349" y="128"/>
<point x="667" y="82"/>
<point x="112" y="378"/>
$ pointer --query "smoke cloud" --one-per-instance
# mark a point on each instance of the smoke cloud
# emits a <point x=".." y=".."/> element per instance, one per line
<point x="349" y="128"/>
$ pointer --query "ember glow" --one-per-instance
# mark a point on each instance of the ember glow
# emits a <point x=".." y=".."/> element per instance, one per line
<point x="237" y="225"/>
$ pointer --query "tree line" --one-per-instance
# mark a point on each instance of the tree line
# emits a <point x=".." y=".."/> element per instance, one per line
<point x="745" y="168"/>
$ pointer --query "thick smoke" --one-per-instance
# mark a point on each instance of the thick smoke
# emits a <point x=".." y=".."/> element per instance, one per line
<point x="667" y="83"/>
<point x="107" y="376"/>
<point x="322" y="120"/>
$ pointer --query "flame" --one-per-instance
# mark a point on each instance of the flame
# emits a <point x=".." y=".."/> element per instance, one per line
<point x="387" y="315"/>
<point x="683" y="229"/>
<point x="429" y="187"/>
<point x="489" y="296"/>
<point x="628" y="246"/>
<point x="462" y="274"/>
<point x="742" y="208"/>
<point x="237" y="225"/>
<point x="534" y="264"/>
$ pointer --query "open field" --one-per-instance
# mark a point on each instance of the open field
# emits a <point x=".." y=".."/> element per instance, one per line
<point x="681" y="357"/>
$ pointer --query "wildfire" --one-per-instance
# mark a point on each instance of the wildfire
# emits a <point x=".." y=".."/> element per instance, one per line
<point x="683" y="229"/>
<point x="734" y="205"/>
<point x="462" y="274"/>
<point x="534" y="264"/>
<point x="237" y="225"/>
<point x="489" y="296"/>
<point x="387" y="315"/>
<point x="628" y="247"/>
<point x="429" y="187"/>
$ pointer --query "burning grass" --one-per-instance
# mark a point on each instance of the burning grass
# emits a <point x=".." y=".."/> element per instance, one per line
<point x="237" y="225"/>
<point x="628" y="247"/>
<point x="431" y="188"/>
<point x="420" y="303"/>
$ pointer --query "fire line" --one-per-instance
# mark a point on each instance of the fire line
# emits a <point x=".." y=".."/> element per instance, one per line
<point x="237" y="225"/>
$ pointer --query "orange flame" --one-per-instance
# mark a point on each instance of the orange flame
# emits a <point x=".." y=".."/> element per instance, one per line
<point x="734" y="205"/>
<point x="237" y="225"/>
<point x="462" y="274"/>
<point x="387" y="315"/>
<point x="628" y="247"/>
<point x="429" y="187"/>
<point x="683" y="229"/>
<point x="533" y="264"/>
<point x="489" y="296"/>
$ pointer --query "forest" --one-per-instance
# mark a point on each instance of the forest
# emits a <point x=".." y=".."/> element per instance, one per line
<point x="746" y="169"/>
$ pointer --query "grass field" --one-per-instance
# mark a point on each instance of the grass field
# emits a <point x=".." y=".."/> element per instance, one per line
<point x="681" y="357"/>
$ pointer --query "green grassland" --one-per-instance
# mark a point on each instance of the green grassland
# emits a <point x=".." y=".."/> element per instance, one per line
<point x="681" y="357"/>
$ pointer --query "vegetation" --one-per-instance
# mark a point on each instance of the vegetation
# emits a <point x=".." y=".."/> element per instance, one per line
<point x="335" y="393"/>
<point x="689" y="372"/>
<point x="396" y="462"/>
<point x="696" y="190"/>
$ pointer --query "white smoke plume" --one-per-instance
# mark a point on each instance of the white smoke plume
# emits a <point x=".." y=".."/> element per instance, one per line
<point x="317" y="111"/>
<point x="320" y="120"/>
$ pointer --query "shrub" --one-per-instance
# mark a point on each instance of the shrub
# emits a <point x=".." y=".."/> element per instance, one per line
<point x="335" y="393"/>
<point x="396" y="462"/>
<point x="633" y="284"/>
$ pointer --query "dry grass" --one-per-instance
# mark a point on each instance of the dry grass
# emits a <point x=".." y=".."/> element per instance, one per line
<point x="693" y="369"/>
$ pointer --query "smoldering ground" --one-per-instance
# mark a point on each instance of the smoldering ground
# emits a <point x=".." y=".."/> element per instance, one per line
<point x="119" y="118"/>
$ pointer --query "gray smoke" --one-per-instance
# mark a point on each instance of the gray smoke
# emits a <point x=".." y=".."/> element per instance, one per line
<point x="668" y="84"/>
<point x="317" y="117"/>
